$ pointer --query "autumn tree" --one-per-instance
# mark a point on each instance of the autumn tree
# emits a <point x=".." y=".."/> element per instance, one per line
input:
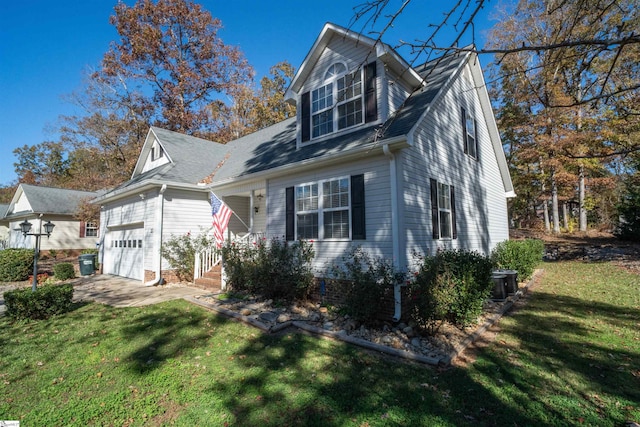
<point x="250" y="110"/>
<point x="171" y="50"/>
<point x="561" y="66"/>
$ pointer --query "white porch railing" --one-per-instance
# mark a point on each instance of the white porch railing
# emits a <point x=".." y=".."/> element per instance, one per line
<point x="210" y="257"/>
<point x="205" y="261"/>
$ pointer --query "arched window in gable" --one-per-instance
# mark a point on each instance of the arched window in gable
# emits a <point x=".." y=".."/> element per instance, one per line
<point x="339" y="102"/>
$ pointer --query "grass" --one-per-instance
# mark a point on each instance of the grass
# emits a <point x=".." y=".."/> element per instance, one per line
<point x="570" y="356"/>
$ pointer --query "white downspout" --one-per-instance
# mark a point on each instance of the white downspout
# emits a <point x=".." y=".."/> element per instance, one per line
<point x="395" y="235"/>
<point x="158" y="231"/>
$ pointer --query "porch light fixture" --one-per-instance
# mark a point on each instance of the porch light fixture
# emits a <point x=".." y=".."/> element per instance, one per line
<point x="257" y="207"/>
<point x="25" y="227"/>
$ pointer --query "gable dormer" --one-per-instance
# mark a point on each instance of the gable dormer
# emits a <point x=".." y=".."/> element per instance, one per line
<point x="347" y="82"/>
<point x="156" y="156"/>
<point x="152" y="155"/>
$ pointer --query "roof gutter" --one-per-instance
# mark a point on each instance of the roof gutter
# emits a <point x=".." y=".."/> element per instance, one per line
<point x="315" y="162"/>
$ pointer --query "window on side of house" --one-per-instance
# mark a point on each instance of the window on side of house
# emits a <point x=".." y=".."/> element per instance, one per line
<point x="91" y="229"/>
<point x="331" y="209"/>
<point x="443" y="211"/>
<point x="469" y="133"/>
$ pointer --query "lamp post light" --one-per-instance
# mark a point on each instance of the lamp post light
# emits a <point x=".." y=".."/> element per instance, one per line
<point x="25" y="227"/>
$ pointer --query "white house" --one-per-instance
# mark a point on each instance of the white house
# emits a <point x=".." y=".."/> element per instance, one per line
<point x="4" y="228"/>
<point x="380" y="155"/>
<point x="38" y="204"/>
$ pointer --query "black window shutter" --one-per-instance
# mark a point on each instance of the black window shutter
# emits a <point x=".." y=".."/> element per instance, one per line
<point x="464" y="130"/>
<point x="358" y="228"/>
<point x="370" y="100"/>
<point x="290" y="215"/>
<point x="434" y="209"/>
<point x="454" y="229"/>
<point x="306" y="116"/>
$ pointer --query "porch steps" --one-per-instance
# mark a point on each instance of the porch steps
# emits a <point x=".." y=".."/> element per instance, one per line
<point x="211" y="280"/>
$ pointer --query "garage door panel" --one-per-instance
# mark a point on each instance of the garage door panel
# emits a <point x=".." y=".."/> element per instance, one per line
<point x="124" y="253"/>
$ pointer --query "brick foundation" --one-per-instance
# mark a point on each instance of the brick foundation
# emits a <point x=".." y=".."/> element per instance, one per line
<point x="168" y="276"/>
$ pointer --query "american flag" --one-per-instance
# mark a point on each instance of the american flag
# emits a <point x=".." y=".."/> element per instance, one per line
<point x="221" y="214"/>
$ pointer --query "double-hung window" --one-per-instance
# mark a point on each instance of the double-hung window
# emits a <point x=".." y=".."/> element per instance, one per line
<point x="469" y="133"/>
<point x="322" y="210"/>
<point x="327" y="209"/>
<point x="443" y="210"/>
<point x="91" y="229"/>
<point x="343" y="100"/>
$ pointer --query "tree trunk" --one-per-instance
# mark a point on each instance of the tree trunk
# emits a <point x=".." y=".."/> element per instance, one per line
<point x="581" y="198"/>
<point x="554" y="204"/>
<point x="565" y="215"/>
<point x="545" y="212"/>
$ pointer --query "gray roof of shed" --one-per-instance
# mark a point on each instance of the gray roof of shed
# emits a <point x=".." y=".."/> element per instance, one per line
<point x="3" y="210"/>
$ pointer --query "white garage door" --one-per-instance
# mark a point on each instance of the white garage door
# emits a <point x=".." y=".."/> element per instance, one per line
<point x="124" y="255"/>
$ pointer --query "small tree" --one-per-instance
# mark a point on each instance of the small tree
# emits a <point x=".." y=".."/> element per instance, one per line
<point x="180" y="252"/>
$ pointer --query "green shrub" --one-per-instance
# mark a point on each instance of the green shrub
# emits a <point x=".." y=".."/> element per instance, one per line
<point x="364" y="282"/>
<point x="450" y="286"/>
<point x="64" y="271"/>
<point x="53" y="253"/>
<point x="46" y="301"/>
<point x="15" y="264"/>
<point x="180" y="253"/>
<point x="276" y="270"/>
<point x="520" y="255"/>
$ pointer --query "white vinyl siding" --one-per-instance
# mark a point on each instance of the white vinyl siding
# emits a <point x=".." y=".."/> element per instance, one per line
<point x="481" y="208"/>
<point x="378" y="208"/>
<point x="65" y="235"/>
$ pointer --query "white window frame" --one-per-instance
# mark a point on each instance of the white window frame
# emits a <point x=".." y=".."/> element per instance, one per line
<point x="332" y="79"/>
<point x="470" y="133"/>
<point x="444" y="198"/>
<point x="91" y="229"/>
<point x="321" y="209"/>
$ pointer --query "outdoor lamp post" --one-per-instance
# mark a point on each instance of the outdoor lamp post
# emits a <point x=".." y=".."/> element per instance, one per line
<point x="25" y="227"/>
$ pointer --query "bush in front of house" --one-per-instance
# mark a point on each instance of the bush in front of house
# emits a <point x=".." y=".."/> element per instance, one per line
<point x="273" y="269"/>
<point x="450" y="286"/>
<point x="364" y="281"/>
<point x="180" y="252"/>
<point x="64" y="271"/>
<point x="520" y="255"/>
<point x="46" y="301"/>
<point x="15" y="264"/>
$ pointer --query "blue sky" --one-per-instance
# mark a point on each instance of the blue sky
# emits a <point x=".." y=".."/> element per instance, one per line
<point x="47" y="46"/>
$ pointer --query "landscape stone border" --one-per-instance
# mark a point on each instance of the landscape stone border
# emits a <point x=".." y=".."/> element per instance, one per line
<point x="341" y="336"/>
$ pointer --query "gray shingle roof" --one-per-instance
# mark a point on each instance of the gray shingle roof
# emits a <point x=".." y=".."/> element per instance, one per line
<point x="192" y="159"/>
<point x="50" y="200"/>
<point x="3" y="210"/>
<point x="275" y="146"/>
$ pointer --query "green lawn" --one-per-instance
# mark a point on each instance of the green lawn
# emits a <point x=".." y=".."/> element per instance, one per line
<point x="571" y="356"/>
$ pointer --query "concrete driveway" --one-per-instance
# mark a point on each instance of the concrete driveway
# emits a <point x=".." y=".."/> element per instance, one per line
<point x="119" y="291"/>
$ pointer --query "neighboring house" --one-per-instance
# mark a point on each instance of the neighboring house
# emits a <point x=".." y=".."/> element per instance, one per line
<point x="4" y="229"/>
<point x="381" y="155"/>
<point x="38" y="205"/>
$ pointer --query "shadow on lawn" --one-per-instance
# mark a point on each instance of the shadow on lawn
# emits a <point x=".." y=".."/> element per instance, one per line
<point x="166" y="334"/>
<point x="553" y="376"/>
